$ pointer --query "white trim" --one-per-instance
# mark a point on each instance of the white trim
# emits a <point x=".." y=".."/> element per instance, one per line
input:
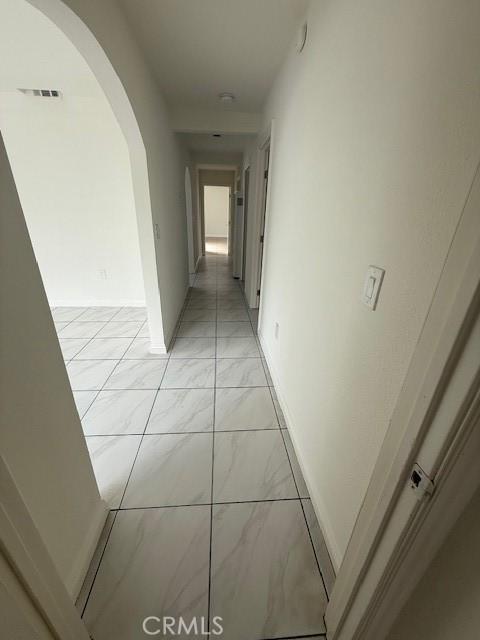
<point x="244" y="237"/>
<point x="189" y="215"/>
<point x="230" y="169"/>
<point x="429" y="530"/>
<point x="256" y="216"/>
<point x="216" y="235"/>
<point x="76" y="30"/>
<point x="320" y="510"/>
<point x="414" y="434"/>
<point x="217" y="167"/>
<point x="199" y="259"/>
<point x="80" y="567"/>
<point x="24" y="549"/>
<point x="157" y="346"/>
<point x="268" y="143"/>
<point x="95" y="302"/>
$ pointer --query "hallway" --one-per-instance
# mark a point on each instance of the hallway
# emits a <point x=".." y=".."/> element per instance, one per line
<point x="190" y="449"/>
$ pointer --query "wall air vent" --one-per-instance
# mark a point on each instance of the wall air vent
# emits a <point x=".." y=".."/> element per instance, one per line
<point x="42" y="93"/>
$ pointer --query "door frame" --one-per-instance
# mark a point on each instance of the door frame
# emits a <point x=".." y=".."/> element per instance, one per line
<point x="260" y="217"/>
<point x="26" y="553"/>
<point x="246" y="187"/>
<point x="189" y="215"/>
<point x="200" y="194"/>
<point x="434" y="423"/>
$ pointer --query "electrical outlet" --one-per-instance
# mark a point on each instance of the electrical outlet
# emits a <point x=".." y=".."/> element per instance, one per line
<point x="277" y="330"/>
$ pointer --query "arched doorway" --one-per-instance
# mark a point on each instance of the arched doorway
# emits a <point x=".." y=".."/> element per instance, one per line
<point x="82" y="38"/>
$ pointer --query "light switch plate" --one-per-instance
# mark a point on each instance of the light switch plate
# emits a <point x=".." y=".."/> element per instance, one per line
<point x="371" y="288"/>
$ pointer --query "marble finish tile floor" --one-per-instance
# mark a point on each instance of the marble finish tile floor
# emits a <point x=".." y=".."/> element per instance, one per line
<point x="210" y="514"/>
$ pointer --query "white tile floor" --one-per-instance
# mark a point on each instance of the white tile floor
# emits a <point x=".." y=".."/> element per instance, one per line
<point x="210" y="512"/>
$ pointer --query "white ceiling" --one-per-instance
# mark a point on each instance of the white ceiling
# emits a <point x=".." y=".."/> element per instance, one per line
<point x="35" y="54"/>
<point x="206" y="142"/>
<point x="200" y="48"/>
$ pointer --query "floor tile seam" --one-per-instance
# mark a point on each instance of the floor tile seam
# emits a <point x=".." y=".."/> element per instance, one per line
<point x="110" y="338"/>
<point x="87" y="599"/>
<point x="263" y="386"/>
<point x="67" y="323"/>
<point x="209" y="612"/>
<point x="136" y="335"/>
<point x="207" y="504"/>
<point x="303" y="509"/>
<point x="144" y="429"/>
<point x="124" y="492"/>
<point x="82" y="348"/>
<point x="115" y="516"/>
<point x="102" y="386"/>
<point x="268" y="376"/>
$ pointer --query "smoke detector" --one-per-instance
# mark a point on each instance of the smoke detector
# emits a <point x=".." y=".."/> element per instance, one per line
<point x="226" y="98"/>
<point x="42" y="93"/>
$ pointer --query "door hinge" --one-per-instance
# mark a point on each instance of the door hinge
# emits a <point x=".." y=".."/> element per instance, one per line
<point x="420" y="483"/>
<point x="258" y="292"/>
<point x="261" y="238"/>
<point x="265" y="174"/>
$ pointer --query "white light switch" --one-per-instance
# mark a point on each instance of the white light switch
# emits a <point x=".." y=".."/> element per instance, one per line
<point x="372" y="285"/>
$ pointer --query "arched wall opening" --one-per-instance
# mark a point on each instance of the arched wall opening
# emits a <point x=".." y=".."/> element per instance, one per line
<point x="81" y="37"/>
<point x="71" y="166"/>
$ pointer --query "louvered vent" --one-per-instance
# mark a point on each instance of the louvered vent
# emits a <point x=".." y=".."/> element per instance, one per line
<point x="42" y="93"/>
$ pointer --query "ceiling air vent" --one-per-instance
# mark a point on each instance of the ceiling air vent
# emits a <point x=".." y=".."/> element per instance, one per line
<point x="42" y="93"/>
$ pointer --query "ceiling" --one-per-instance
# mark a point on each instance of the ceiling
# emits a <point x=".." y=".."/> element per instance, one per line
<point x="206" y="142"/>
<point x="200" y="48"/>
<point x="35" y="54"/>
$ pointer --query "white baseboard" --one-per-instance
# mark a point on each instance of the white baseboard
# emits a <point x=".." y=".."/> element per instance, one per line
<point x="211" y="235"/>
<point x="96" y="302"/>
<point x="81" y="564"/>
<point x="318" y="506"/>
<point x="157" y="345"/>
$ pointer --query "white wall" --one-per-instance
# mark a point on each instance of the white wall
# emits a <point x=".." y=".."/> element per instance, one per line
<point x="41" y="439"/>
<point x="216" y="206"/>
<point x="446" y="602"/>
<point x="72" y="170"/>
<point x="104" y="38"/>
<point x="71" y="165"/>
<point x="377" y="136"/>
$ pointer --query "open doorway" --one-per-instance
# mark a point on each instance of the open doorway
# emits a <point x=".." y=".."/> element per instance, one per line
<point x="263" y="211"/>
<point x="73" y="169"/>
<point x="217" y="218"/>
<point x="246" y="187"/>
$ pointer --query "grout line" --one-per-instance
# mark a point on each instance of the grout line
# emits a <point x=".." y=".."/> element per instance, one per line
<point x="209" y="601"/>
<point x="236" y="287"/>
<point x="126" y="484"/>
<point x="182" y="433"/>
<point x="269" y="377"/>
<point x="206" y="504"/>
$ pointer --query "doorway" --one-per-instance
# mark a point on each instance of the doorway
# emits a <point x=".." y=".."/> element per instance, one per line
<point x="266" y="163"/>
<point x="246" y="186"/>
<point x="217" y="218"/>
